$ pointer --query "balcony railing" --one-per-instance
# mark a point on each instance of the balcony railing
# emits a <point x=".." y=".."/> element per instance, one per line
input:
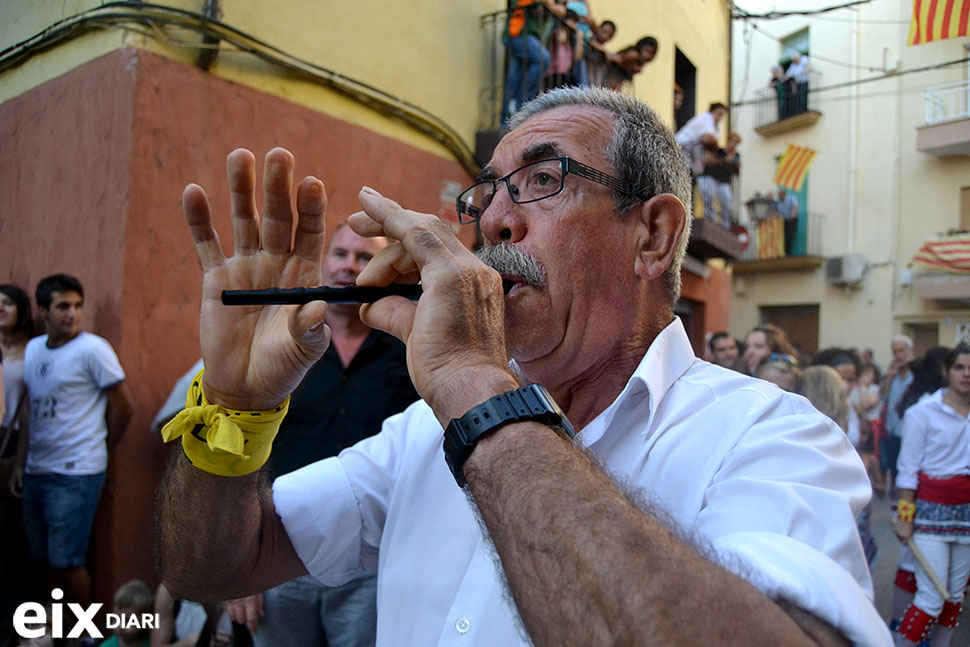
<point x="493" y="25"/>
<point x="948" y="102"/>
<point x="766" y="237"/>
<point x="776" y="107"/>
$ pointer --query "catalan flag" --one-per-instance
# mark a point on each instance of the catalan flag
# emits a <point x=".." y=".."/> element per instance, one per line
<point x="938" y="19"/>
<point x="793" y="165"/>
<point x="771" y="238"/>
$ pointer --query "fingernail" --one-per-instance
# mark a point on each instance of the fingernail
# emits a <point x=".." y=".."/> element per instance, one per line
<point x="316" y="327"/>
<point x="369" y="190"/>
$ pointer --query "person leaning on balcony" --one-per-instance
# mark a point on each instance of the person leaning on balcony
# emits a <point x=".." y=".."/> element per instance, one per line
<point x="784" y="89"/>
<point x="788" y="209"/>
<point x="528" y="59"/>
<point x="630" y="61"/>
<point x="699" y="134"/>
<point x="598" y="64"/>
<point x="797" y="72"/>
<point x="714" y="182"/>
<point x="733" y="501"/>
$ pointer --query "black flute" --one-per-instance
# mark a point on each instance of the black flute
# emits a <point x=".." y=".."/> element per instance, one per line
<point x="337" y="294"/>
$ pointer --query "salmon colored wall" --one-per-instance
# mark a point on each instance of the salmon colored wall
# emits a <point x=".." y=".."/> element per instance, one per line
<point x="714" y="294"/>
<point x="91" y="175"/>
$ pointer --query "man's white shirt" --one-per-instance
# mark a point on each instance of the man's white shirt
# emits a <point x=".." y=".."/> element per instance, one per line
<point x="772" y="485"/>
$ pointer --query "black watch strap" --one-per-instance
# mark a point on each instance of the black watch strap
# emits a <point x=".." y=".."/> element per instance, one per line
<point x="531" y="402"/>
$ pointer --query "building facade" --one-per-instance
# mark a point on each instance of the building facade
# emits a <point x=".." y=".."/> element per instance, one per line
<point x="108" y="110"/>
<point x="891" y="128"/>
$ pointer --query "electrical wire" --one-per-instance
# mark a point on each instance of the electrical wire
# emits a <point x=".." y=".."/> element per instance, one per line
<point x="818" y="57"/>
<point x="121" y="14"/>
<point x="773" y="15"/>
<point x="871" y="79"/>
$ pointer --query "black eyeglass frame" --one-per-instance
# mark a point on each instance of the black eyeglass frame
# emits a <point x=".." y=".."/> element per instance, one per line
<point x="568" y="164"/>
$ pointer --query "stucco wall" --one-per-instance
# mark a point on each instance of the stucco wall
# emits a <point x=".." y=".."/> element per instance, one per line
<point x="91" y="177"/>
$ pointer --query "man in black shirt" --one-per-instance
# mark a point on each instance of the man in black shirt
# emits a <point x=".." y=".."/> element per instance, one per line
<point x="361" y="380"/>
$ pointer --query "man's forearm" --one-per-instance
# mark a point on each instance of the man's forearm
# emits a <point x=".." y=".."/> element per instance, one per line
<point x="117" y="419"/>
<point x="587" y="567"/>
<point x="220" y="536"/>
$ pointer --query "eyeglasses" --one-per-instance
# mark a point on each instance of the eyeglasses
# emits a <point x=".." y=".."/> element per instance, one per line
<point x="532" y="182"/>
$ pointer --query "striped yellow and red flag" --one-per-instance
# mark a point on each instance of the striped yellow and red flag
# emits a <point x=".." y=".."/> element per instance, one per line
<point x="793" y="166"/>
<point x="771" y="238"/>
<point x="938" y="19"/>
<point x="946" y="255"/>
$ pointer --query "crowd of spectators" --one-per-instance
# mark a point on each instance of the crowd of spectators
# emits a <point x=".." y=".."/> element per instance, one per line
<point x="911" y="428"/>
<point x="552" y="43"/>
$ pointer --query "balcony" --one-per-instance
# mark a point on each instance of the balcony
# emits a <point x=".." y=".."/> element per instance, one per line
<point x="765" y="249"/>
<point x="947" y="128"/>
<point x="780" y="110"/>
<point x="942" y="268"/>
<point x="560" y="37"/>
<point x="714" y="230"/>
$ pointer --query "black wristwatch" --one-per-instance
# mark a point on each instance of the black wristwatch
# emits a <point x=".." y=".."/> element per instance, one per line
<point x="531" y="402"/>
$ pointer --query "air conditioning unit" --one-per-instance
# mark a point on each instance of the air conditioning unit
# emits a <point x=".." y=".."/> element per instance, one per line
<point x="846" y="269"/>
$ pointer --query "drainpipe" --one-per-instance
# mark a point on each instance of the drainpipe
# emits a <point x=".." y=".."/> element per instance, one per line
<point x="853" y="143"/>
<point x="209" y="51"/>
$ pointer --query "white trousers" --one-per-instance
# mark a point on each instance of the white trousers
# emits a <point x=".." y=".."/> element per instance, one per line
<point x="950" y="561"/>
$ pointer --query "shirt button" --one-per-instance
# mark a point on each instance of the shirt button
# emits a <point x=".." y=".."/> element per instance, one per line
<point x="463" y="625"/>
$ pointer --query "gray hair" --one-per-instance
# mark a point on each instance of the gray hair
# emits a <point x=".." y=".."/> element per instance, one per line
<point x="902" y="339"/>
<point x="642" y="153"/>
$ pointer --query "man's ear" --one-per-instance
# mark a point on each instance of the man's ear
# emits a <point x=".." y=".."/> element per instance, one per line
<point x="662" y="221"/>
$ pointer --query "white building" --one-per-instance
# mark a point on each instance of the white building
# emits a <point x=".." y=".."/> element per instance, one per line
<point x="891" y="124"/>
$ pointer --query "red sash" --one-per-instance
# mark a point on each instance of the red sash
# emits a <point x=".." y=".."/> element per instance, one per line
<point x="951" y="491"/>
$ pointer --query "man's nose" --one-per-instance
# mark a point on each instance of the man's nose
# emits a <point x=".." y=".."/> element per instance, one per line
<point x="503" y="220"/>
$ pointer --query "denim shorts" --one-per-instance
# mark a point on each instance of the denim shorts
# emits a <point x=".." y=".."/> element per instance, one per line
<point x="58" y="515"/>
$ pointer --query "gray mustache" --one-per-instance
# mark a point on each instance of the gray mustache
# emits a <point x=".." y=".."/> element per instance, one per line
<point x="505" y="258"/>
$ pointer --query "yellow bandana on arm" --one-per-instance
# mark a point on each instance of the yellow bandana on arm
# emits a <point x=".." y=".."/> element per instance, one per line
<point x="222" y="441"/>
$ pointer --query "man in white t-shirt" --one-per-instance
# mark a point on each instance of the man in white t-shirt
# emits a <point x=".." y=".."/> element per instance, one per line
<point x="700" y="133"/>
<point x="79" y="409"/>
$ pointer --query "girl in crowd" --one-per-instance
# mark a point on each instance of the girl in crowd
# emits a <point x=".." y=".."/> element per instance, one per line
<point x="764" y="341"/>
<point x="934" y="500"/>
<point x="16" y="329"/>
<point x="928" y="377"/>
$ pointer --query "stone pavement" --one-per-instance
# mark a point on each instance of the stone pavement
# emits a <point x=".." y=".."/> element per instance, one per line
<point x="885" y="570"/>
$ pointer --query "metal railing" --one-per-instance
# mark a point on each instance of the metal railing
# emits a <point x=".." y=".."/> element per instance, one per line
<point x="495" y="60"/>
<point x="948" y="102"/>
<point x="766" y="237"/>
<point x="774" y="104"/>
<point x="718" y="204"/>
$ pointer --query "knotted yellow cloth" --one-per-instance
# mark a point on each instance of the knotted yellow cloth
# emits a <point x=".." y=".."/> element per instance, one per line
<point x="223" y="441"/>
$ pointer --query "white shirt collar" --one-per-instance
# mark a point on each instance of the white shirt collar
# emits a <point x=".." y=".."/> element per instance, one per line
<point x="668" y="358"/>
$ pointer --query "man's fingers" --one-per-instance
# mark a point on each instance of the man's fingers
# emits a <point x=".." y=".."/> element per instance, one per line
<point x="306" y="326"/>
<point x="198" y="216"/>
<point x="311" y="205"/>
<point x="388" y="266"/>
<point x="277" y="220"/>
<point x="422" y="234"/>
<point x="393" y="315"/>
<point x="241" y="169"/>
<point x="364" y="225"/>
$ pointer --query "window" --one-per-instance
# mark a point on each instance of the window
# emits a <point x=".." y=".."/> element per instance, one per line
<point x="797" y="42"/>
<point x="685" y="75"/>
